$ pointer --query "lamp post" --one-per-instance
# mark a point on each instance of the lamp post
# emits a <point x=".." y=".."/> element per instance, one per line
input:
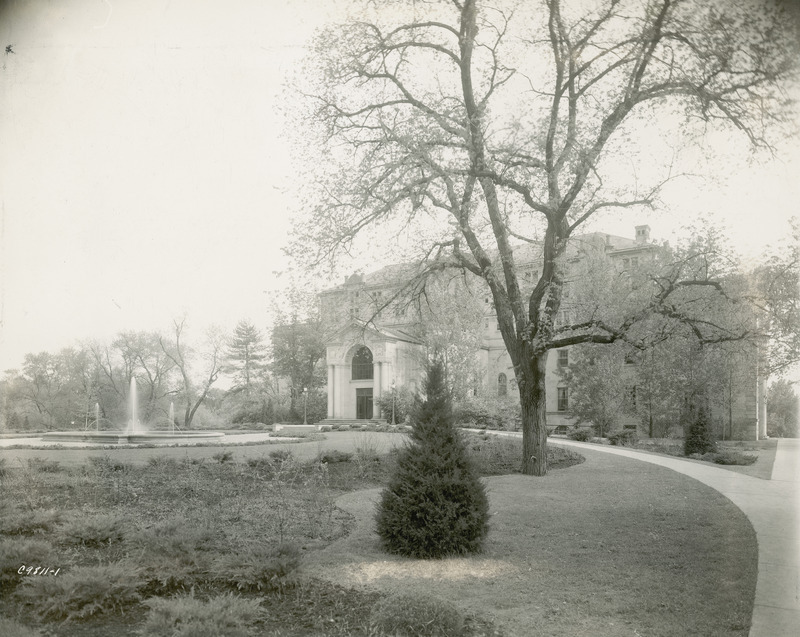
<point x="393" y="397"/>
<point x="305" y="406"/>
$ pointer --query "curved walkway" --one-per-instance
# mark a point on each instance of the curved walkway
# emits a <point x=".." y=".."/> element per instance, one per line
<point x="773" y="508"/>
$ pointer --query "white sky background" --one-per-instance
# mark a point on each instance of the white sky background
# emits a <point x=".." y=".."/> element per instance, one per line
<point x="143" y="174"/>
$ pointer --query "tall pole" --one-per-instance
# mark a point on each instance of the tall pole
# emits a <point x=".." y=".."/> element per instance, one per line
<point x="393" y="398"/>
<point x="305" y="406"/>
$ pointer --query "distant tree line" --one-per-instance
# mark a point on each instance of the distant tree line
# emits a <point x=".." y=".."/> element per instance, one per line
<point x="87" y="386"/>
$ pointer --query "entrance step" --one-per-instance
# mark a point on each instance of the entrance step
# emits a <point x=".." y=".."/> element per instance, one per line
<point x="350" y="422"/>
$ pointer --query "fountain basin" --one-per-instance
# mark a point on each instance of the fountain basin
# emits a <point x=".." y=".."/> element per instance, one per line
<point x="138" y="438"/>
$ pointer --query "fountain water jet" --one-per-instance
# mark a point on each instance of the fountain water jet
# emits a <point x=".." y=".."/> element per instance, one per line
<point x="134" y="432"/>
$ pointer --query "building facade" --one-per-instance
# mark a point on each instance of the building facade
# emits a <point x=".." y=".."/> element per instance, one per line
<point x="376" y="346"/>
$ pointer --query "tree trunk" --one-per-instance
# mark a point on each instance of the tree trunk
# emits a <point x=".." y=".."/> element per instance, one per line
<point x="534" y="419"/>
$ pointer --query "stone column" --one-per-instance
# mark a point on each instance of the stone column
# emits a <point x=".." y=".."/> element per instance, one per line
<point x="376" y="380"/>
<point x="338" y="381"/>
<point x="376" y="389"/>
<point x="331" y="388"/>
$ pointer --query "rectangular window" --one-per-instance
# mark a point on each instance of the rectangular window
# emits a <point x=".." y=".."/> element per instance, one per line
<point x="632" y="396"/>
<point x="563" y="400"/>
<point x="563" y="358"/>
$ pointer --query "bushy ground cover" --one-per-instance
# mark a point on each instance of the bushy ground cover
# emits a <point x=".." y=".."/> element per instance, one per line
<point x="699" y="447"/>
<point x="128" y="535"/>
<point x="160" y="547"/>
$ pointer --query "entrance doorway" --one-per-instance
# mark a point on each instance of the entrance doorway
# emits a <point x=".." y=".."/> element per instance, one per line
<point x="364" y="403"/>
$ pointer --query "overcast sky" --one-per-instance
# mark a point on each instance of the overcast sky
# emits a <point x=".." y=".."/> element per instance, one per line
<point x="143" y="174"/>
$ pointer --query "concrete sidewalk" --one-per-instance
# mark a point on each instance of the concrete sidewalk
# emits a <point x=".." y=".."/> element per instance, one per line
<point x="773" y="508"/>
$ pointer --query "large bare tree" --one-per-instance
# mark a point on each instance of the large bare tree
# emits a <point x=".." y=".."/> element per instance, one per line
<point x="483" y="126"/>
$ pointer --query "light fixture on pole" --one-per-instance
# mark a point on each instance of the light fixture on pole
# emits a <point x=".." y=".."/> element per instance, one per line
<point x="393" y="398"/>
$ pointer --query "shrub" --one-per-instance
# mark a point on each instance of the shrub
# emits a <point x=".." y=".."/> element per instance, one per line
<point x="18" y="552"/>
<point x="19" y="522"/>
<point x="107" y="465"/>
<point x="162" y="462"/>
<point x="730" y="457"/>
<point x="223" y="456"/>
<point x="280" y="455"/>
<point x="434" y="504"/>
<point x="411" y="615"/>
<point x="174" y="554"/>
<point x="488" y="412"/>
<point x="334" y="455"/>
<point x="623" y="438"/>
<point x="3" y="468"/>
<point x="82" y="592"/>
<point x="580" y="434"/>
<point x="262" y="463"/>
<point x="12" y="628"/>
<point x="260" y="569"/>
<point x="726" y="457"/>
<point x="185" y="616"/>
<point x="95" y="530"/>
<point x="403" y="404"/>
<point x="698" y="435"/>
<point x="42" y="465"/>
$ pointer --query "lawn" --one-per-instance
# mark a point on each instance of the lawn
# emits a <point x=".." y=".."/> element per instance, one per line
<point x="280" y="544"/>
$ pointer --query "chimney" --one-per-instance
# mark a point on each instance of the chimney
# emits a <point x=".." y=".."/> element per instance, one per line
<point x="642" y="234"/>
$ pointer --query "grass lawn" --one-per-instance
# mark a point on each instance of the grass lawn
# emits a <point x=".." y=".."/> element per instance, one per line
<point x="607" y="547"/>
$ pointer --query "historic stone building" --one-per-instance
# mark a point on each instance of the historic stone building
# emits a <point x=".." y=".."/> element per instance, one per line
<point x="374" y="345"/>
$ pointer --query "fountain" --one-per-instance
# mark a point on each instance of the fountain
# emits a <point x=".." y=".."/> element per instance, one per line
<point x="135" y="432"/>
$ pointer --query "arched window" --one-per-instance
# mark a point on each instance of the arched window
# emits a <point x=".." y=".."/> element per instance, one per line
<point x="502" y="386"/>
<point x="362" y="364"/>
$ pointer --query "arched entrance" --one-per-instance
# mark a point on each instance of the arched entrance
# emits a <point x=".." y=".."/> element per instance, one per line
<point x="362" y="369"/>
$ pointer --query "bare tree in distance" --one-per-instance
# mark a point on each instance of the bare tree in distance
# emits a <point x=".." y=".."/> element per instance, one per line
<point x="479" y="127"/>
<point x="193" y="392"/>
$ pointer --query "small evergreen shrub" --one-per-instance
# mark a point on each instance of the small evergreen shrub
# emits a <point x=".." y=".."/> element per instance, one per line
<point x="260" y="464"/>
<point x="434" y="504"/>
<point x="260" y="569"/>
<point x="698" y="436"/>
<point x="18" y="552"/>
<point x="729" y="457"/>
<point x="107" y="465"/>
<point x="280" y="455"/>
<point x="185" y="616"/>
<point x="623" y="438"/>
<point x="580" y="434"/>
<point x="334" y="455"/>
<point x="162" y="462"/>
<point x="12" y="628"/>
<point x="726" y="457"/>
<point x="82" y="591"/>
<point x="21" y="522"/>
<point x="95" y="530"/>
<point x="174" y="554"/>
<point x="415" y="616"/>
<point x="223" y="456"/>
<point x="42" y="465"/>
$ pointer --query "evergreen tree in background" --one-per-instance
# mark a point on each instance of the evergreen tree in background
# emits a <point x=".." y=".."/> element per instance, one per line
<point x="435" y="504"/>
<point x="246" y="356"/>
<point x="698" y="436"/>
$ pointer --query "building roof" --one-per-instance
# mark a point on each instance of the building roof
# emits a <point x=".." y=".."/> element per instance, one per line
<point x="524" y="253"/>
